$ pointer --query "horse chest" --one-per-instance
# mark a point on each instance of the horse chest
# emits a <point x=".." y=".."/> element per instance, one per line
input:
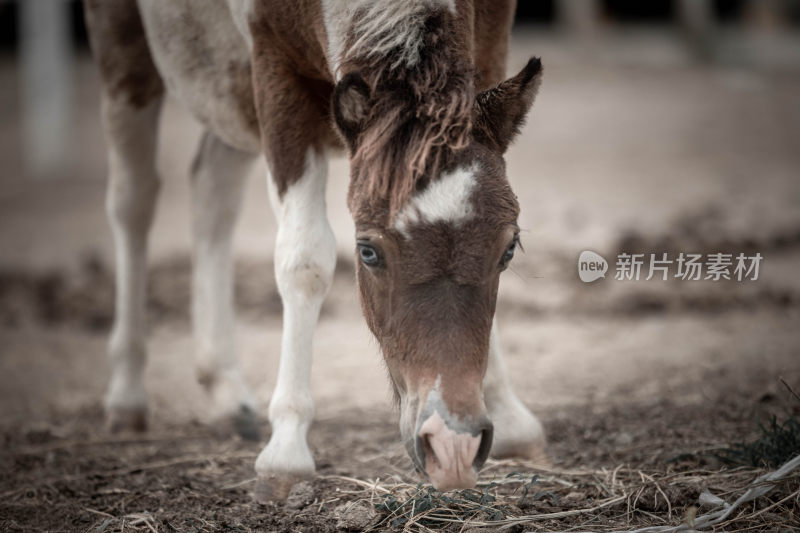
<point x="205" y="64"/>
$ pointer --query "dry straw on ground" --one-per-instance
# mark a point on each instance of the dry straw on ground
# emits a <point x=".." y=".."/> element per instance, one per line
<point x="622" y="499"/>
<point x="189" y="480"/>
<point x="512" y="496"/>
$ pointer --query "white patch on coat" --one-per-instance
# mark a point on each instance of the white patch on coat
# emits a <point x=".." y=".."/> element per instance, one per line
<point x="195" y="45"/>
<point x="448" y="199"/>
<point x="376" y="27"/>
<point x="305" y="258"/>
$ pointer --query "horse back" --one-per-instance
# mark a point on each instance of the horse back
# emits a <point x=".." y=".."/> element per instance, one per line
<point x="202" y="51"/>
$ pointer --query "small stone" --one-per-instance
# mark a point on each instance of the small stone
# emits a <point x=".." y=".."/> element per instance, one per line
<point x="354" y="515"/>
<point x="301" y="495"/>
<point x="575" y="496"/>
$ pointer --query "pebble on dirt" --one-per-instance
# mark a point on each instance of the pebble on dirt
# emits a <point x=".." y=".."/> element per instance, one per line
<point x="354" y="515"/>
<point x="301" y="495"/>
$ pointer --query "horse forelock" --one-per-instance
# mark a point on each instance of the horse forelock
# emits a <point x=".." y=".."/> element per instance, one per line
<point x="378" y="28"/>
<point x="421" y="111"/>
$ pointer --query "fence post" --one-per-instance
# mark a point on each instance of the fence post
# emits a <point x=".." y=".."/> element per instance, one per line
<point x="46" y="61"/>
<point x="578" y="16"/>
<point x="765" y="15"/>
<point x="697" y="21"/>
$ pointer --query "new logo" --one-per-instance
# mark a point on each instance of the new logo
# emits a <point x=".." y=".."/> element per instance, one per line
<point x="591" y="266"/>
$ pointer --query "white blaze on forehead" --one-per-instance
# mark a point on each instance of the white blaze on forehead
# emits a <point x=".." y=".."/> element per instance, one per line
<point x="382" y="26"/>
<point x="448" y="199"/>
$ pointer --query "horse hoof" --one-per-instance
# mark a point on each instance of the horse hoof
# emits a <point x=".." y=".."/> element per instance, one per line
<point x="242" y="422"/>
<point x="245" y="423"/>
<point x="275" y="487"/>
<point x="124" y="419"/>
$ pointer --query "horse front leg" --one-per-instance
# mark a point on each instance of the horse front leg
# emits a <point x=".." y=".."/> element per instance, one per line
<point x="517" y="431"/>
<point x="305" y="258"/>
<point x="218" y="176"/>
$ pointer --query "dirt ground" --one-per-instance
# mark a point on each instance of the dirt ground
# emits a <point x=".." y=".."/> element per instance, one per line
<point x="632" y="146"/>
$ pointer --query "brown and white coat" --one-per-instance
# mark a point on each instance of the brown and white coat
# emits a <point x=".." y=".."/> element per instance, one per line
<point x="414" y="91"/>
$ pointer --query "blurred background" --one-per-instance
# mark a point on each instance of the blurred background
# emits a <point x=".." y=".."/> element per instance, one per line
<point x="662" y="126"/>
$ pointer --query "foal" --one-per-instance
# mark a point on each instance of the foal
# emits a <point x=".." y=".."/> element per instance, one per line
<point x="413" y="89"/>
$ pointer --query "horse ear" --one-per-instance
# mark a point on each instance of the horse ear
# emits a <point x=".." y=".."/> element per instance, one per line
<point x="351" y="100"/>
<point x="500" y="112"/>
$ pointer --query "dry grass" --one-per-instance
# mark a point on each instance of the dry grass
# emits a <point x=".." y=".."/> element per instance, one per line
<point x="190" y="480"/>
<point x="531" y="497"/>
<point x="535" y="498"/>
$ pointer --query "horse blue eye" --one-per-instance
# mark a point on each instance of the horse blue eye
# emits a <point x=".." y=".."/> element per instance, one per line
<point x="368" y="254"/>
<point x="509" y="253"/>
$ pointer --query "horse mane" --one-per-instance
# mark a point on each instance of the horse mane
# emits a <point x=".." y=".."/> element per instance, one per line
<point x="422" y="85"/>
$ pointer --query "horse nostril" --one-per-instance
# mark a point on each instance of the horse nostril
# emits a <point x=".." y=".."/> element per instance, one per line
<point x="428" y="451"/>
<point x="422" y="450"/>
<point x="426" y="456"/>
<point x="486" y="445"/>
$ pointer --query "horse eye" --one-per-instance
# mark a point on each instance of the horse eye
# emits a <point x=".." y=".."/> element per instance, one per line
<point x="369" y="256"/>
<point x="509" y="253"/>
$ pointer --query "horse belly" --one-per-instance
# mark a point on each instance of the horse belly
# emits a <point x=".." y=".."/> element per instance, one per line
<point x="205" y="63"/>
